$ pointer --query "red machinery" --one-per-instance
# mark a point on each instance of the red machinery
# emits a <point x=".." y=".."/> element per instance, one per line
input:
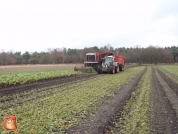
<point x="99" y="60"/>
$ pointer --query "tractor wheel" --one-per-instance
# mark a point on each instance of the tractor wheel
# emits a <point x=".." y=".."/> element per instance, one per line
<point x="117" y="69"/>
<point x="96" y="67"/>
<point x="120" y="67"/>
<point x="112" y="71"/>
<point x="99" y="70"/>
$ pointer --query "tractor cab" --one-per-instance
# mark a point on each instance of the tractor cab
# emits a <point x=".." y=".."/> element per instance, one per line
<point x="91" y="57"/>
<point x="91" y="60"/>
<point x="108" y="61"/>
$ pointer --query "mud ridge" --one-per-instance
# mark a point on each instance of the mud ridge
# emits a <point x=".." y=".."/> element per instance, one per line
<point x="102" y="121"/>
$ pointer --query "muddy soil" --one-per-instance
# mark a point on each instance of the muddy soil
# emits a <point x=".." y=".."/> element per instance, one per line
<point x="102" y="121"/>
<point x="164" y="100"/>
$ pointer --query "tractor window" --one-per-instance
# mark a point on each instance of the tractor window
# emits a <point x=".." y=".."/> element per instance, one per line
<point x="108" y="60"/>
<point x="91" y="58"/>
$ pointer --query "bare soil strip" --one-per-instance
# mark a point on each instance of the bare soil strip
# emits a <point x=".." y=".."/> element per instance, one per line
<point x="102" y="121"/>
<point x="164" y="103"/>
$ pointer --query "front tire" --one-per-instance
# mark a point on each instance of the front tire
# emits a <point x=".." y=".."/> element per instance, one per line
<point x="112" y="71"/>
<point x="117" y="69"/>
<point x="99" y="70"/>
<point x="96" y="67"/>
<point x="120" y="67"/>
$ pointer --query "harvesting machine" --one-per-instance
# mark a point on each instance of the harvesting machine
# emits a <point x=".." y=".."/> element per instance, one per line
<point x="105" y="62"/>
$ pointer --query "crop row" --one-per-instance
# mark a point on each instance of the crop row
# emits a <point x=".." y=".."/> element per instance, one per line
<point x="62" y="110"/>
<point x="135" y="117"/>
<point x="21" y="97"/>
<point x="16" y="69"/>
<point x="170" y="71"/>
<point x="14" y="79"/>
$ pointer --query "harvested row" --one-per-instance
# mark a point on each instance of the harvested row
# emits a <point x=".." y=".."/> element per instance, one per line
<point x="135" y="117"/>
<point x="17" y="95"/>
<point x="102" y="120"/>
<point x="165" y="104"/>
<point x="62" y="110"/>
<point x="170" y="79"/>
<point x="170" y="71"/>
<point x="153" y="107"/>
<point x="8" y="91"/>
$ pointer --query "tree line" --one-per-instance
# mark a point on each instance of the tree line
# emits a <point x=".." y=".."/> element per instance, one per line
<point x="137" y="54"/>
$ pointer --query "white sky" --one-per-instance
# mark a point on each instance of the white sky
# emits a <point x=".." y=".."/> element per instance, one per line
<point x="36" y="25"/>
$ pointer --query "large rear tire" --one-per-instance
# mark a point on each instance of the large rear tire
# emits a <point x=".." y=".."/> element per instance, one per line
<point x="112" y="70"/>
<point x="99" y="70"/>
<point x="120" y="67"/>
<point x="117" y="69"/>
<point x="96" y="67"/>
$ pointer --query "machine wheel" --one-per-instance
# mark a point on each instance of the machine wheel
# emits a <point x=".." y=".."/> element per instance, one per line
<point x="112" y="71"/>
<point x="120" y="67"/>
<point x="99" y="70"/>
<point x="96" y="67"/>
<point x="117" y="69"/>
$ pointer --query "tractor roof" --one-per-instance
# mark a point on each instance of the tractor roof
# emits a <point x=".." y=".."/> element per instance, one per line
<point x="90" y="53"/>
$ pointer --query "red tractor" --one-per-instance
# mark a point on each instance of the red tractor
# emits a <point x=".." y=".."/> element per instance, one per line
<point x="105" y="62"/>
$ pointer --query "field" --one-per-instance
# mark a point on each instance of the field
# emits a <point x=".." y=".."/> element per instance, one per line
<point x="54" y="99"/>
<point x="13" y="75"/>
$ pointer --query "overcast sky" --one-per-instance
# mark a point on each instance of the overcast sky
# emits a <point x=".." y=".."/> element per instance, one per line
<point x="36" y="25"/>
